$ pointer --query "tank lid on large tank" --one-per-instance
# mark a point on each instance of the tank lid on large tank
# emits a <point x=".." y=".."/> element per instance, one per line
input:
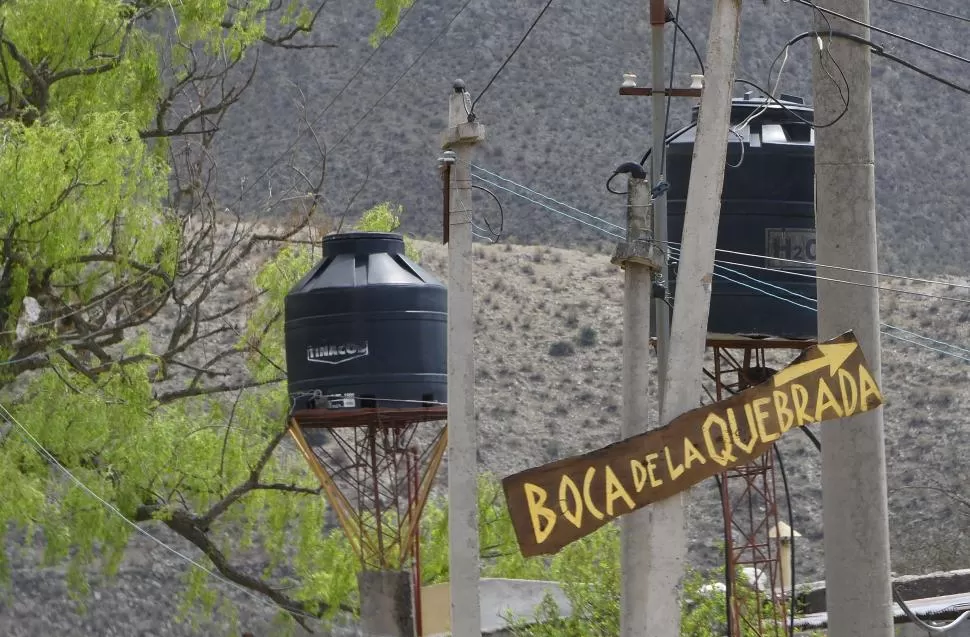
<point x="785" y="107"/>
<point x="355" y="259"/>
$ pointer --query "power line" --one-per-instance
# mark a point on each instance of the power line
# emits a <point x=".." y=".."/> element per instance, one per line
<point x="551" y="209"/>
<point x="841" y="268"/>
<point x="930" y="10"/>
<point x="406" y="71"/>
<point x="501" y="68"/>
<point x="320" y="115"/>
<point x="843" y="281"/>
<point x="670" y="84"/>
<point x="611" y="233"/>
<point x="47" y="455"/>
<point x="722" y="265"/>
<point x="928" y="47"/>
<point x="555" y="201"/>
<point x="883" y="326"/>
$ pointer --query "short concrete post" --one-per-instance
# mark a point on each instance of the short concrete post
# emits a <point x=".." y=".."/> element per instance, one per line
<point x="386" y="604"/>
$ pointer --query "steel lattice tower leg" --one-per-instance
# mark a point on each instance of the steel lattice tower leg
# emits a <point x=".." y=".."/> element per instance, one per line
<point x="750" y="511"/>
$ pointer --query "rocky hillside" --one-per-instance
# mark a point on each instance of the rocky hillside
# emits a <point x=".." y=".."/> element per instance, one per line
<point x="556" y="122"/>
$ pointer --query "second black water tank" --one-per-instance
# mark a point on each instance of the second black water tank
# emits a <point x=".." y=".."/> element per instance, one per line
<point x="366" y="327"/>
<point x="768" y="209"/>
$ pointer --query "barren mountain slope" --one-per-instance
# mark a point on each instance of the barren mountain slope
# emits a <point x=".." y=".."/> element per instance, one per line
<point x="556" y="122"/>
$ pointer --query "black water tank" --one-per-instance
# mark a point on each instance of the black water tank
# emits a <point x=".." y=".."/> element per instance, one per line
<point x="367" y="327"/>
<point x="767" y="208"/>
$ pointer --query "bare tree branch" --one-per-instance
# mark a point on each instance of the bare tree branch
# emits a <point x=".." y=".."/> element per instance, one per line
<point x="189" y="527"/>
<point x="217" y="389"/>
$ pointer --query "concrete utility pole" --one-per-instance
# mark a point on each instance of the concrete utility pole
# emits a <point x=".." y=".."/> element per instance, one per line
<point x="658" y="170"/>
<point x="640" y="258"/>
<point x="854" y="501"/>
<point x="667" y="540"/>
<point x="463" y="551"/>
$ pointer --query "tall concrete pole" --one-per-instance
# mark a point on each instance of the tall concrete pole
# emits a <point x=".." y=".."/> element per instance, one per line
<point x="667" y="540"/>
<point x="639" y="258"/>
<point x="658" y="170"/>
<point x="855" y="510"/>
<point x="463" y="550"/>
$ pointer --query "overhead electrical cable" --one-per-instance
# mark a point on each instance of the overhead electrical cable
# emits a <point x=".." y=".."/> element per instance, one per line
<point x="11" y="420"/>
<point x="931" y="10"/>
<point x="950" y="351"/>
<point x="402" y="75"/>
<point x="697" y="55"/>
<point x="551" y="209"/>
<point x="901" y="277"/>
<point x="670" y="84"/>
<point x="508" y="58"/>
<point x="928" y="47"/>
<point x="539" y="194"/>
<point x="953" y="351"/>
<point x="879" y="51"/>
<point x="846" y="282"/>
<point x="606" y="222"/>
<point x="286" y="152"/>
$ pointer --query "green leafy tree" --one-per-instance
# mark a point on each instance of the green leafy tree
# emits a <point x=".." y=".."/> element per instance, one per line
<point x="124" y="295"/>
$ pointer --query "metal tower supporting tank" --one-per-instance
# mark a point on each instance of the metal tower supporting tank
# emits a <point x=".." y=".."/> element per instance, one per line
<point x="748" y="496"/>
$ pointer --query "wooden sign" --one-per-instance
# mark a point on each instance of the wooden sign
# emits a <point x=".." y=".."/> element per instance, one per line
<point x="560" y="502"/>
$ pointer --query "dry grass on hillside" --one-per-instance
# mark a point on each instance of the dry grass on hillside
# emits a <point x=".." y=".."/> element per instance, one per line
<point x="548" y="344"/>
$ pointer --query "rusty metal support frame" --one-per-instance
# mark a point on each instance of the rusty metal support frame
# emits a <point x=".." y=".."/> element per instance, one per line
<point x="374" y="476"/>
<point x="341" y="506"/>
<point x="748" y="498"/>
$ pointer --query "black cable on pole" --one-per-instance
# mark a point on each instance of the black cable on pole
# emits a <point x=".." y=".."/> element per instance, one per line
<point x="923" y="72"/>
<point x="928" y="47"/>
<point x="791" y="527"/>
<point x="811" y="436"/>
<point x="929" y="10"/>
<point x="670" y="84"/>
<point x="501" y="68"/>
<point x="673" y="136"/>
<point x="501" y="212"/>
<point x="879" y="51"/>
<point x="700" y="60"/>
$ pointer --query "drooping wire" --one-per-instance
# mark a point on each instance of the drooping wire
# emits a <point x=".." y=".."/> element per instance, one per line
<point x="32" y="440"/>
<point x="501" y="212"/>
<point x="669" y="100"/>
<point x="700" y="60"/>
<point x="471" y="113"/>
<point x="930" y="10"/>
<point x="784" y="107"/>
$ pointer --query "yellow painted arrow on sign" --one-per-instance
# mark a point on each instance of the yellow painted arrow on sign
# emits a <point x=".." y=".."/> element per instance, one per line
<point x="833" y="356"/>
